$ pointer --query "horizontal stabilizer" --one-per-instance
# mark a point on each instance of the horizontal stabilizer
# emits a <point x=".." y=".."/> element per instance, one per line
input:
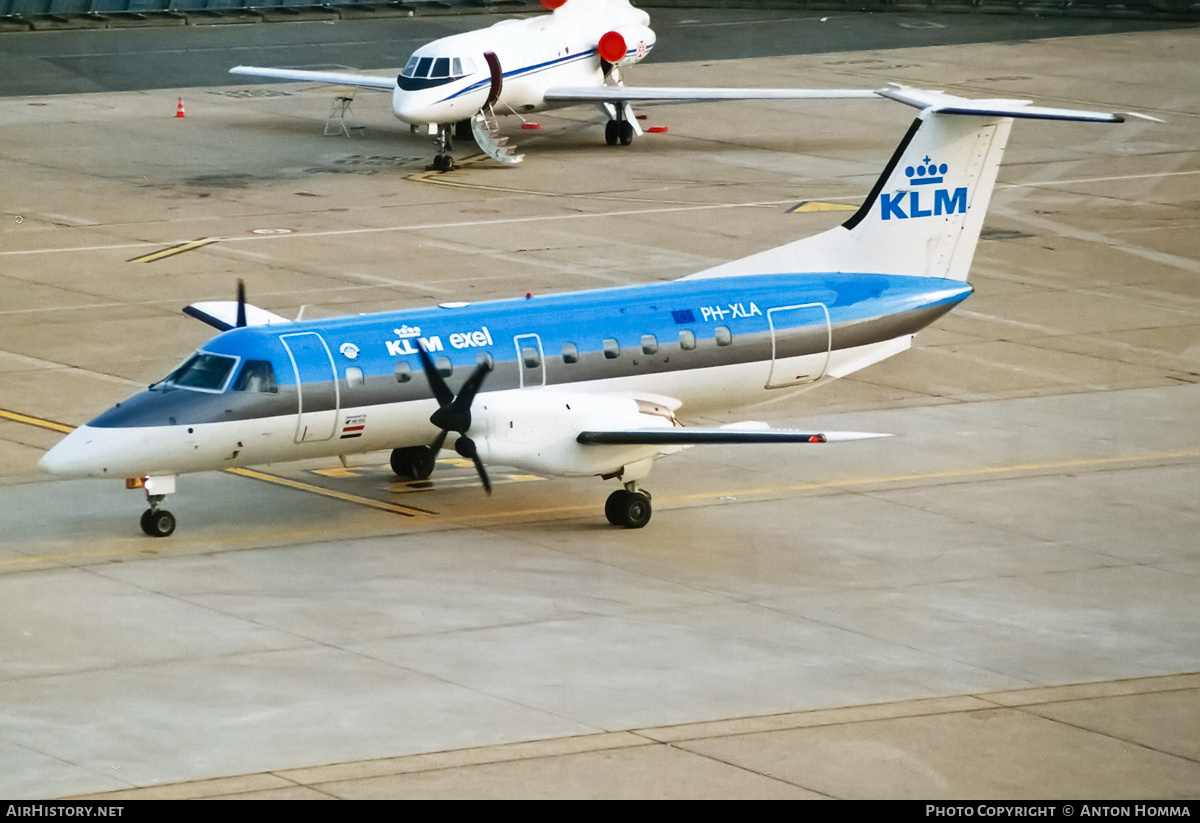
<point x="727" y="435"/>
<point x="222" y="315"/>
<point x="341" y="78"/>
<point x="943" y="103"/>
<point x="646" y="94"/>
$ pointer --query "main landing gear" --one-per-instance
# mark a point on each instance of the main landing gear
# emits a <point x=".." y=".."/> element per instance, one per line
<point x="157" y="522"/>
<point x="628" y="507"/>
<point x="618" y="130"/>
<point x="415" y="462"/>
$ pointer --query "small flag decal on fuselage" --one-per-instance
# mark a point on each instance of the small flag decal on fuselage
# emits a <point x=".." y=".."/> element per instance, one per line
<point x="354" y="426"/>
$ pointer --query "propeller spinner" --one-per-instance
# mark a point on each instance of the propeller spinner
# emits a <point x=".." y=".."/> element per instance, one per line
<point x="454" y="412"/>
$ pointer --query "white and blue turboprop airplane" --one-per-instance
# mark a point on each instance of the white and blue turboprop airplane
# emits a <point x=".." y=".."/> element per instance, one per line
<point x="568" y="58"/>
<point x="584" y="383"/>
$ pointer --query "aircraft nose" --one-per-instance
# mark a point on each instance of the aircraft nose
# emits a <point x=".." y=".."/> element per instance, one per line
<point x="62" y="459"/>
<point x="406" y="108"/>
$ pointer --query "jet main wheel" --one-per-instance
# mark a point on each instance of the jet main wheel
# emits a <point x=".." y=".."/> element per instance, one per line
<point x="158" y="522"/>
<point x="628" y="509"/>
<point x="416" y="462"/>
<point x="626" y="132"/>
<point x="612" y="131"/>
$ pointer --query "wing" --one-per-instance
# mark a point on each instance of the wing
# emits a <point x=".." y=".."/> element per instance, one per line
<point x="341" y="78"/>
<point x="700" y="436"/>
<point x="564" y="95"/>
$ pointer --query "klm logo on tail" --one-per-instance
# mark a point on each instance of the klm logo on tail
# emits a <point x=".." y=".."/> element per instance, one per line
<point x="945" y="201"/>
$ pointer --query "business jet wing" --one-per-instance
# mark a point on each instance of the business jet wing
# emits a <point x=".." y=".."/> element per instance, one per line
<point x="340" y="78"/>
<point x="734" y="434"/>
<point x="564" y="95"/>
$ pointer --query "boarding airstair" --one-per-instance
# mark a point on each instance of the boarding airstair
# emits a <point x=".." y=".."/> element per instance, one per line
<point x="487" y="134"/>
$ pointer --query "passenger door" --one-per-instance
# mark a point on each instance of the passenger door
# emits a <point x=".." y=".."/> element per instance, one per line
<point x="316" y="386"/>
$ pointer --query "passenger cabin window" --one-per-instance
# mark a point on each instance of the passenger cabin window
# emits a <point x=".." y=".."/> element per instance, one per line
<point x="649" y="344"/>
<point x="403" y="372"/>
<point x="354" y="377"/>
<point x="612" y="349"/>
<point x="257" y="376"/>
<point x="207" y="372"/>
<point x="687" y="340"/>
<point x="723" y="335"/>
<point x="570" y="353"/>
<point x="530" y="357"/>
<point x="444" y="366"/>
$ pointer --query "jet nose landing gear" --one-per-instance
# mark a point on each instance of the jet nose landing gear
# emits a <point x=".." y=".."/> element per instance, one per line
<point x="155" y="522"/>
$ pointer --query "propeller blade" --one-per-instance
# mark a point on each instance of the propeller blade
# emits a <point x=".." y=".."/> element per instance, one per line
<point x="436" y="382"/>
<point x="466" y="447"/>
<point x="436" y="445"/>
<point x="241" y="301"/>
<point x="483" y="477"/>
<point x="466" y="395"/>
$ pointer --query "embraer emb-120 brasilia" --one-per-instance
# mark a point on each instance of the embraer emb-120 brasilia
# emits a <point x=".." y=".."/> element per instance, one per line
<point x="571" y="57"/>
<point x="590" y="383"/>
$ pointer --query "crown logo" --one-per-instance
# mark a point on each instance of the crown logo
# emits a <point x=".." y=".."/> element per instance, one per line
<point x="927" y="173"/>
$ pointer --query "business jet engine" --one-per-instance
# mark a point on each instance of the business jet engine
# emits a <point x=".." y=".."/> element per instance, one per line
<point x="625" y="46"/>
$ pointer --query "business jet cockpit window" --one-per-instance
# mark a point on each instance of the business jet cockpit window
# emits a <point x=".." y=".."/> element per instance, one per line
<point x="425" y="72"/>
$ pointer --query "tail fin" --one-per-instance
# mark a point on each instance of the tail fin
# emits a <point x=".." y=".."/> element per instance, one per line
<point x="925" y="212"/>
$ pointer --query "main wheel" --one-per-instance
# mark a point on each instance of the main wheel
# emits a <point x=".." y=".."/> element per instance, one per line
<point x="415" y="462"/>
<point x="401" y="462"/>
<point x="612" y="130"/>
<point x="422" y="460"/>
<point x="626" y="132"/>
<point x="158" y="522"/>
<point x="628" y="509"/>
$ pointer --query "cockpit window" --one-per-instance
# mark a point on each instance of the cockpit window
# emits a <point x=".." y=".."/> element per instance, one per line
<point x="256" y="376"/>
<point x="426" y="72"/>
<point x="207" y="372"/>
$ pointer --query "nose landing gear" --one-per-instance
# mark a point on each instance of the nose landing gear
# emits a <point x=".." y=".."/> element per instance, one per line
<point x="157" y="522"/>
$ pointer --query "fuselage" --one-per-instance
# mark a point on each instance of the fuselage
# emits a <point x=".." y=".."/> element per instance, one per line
<point x="448" y="80"/>
<point x="354" y="384"/>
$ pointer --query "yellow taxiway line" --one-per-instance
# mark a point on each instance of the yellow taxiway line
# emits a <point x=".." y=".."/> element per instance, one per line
<point x="174" y="250"/>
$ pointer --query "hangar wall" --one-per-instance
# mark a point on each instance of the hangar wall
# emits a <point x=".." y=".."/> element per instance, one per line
<point x="44" y="14"/>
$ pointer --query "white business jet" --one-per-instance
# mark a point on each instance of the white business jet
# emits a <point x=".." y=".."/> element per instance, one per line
<point x="459" y="84"/>
<point x="591" y="383"/>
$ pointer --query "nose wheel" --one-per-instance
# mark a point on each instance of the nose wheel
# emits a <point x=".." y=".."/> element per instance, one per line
<point x="157" y="522"/>
<point x="628" y="507"/>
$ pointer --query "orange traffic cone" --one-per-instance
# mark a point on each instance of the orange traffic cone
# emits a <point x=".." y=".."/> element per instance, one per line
<point x="179" y="109"/>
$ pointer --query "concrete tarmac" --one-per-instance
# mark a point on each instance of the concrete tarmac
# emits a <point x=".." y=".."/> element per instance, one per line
<point x="999" y="602"/>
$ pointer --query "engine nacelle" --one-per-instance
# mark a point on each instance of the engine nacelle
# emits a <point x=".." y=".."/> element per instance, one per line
<point x="626" y="45"/>
<point x="537" y="430"/>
